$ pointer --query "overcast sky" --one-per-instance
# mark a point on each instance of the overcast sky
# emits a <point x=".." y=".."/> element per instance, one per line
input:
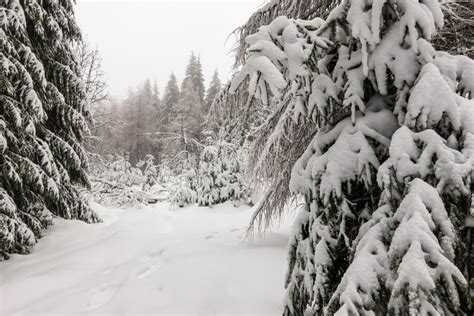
<point x="150" y="39"/>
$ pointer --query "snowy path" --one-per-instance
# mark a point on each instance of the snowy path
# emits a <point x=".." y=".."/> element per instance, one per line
<point x="149" y="261"/>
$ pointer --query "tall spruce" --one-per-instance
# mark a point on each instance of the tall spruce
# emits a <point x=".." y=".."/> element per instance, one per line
<point x="214" y="88"/>
<point x="155" y="96"/>
<point x="194" y="76"/>
<point x="198" y="80"/>
<point x="387" y="179"/>
<point x="188" y="121"/>
<point x="42" y="122"/>
<point x="170" y="99"/>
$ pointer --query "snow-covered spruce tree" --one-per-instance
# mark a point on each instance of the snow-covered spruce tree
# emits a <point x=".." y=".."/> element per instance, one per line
<point x="188" y="121"/>
<point x="155" y="96"/>
<point x="220" y="175"/>
<point x="169" y="101"/>
<point x="209" y="169"/>
<point x="456" y="35"/>
<point x="194" y="76"/>
<point x="231" y="179"/>
<point x="42" y="110"/>
<point x="273" y="168"/>
<point x="387" y="178"/>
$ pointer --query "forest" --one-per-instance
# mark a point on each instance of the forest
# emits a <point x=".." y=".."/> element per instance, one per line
<point x="330" y="174"/>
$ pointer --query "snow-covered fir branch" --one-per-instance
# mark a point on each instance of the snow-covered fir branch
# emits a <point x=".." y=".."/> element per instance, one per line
<point x="395" y="130"/>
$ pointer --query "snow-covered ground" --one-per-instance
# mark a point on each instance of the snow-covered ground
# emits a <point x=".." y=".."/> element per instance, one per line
<point x="150" y="260"/>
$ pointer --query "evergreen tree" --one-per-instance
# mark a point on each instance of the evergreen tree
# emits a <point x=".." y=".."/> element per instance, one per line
<point x="189" y="71"/>
<point x="387" y="178"/>
<point x="198" y="80"/>
<point x="231" y="179"/>
<point x="214" y="88"/>
<point x="274" y="170"/>
<point x="170" y="99"/>
<point x="155" y="96"/>
<point x="188" y="122"/>
<point x="194" y="76"/>
<point x="209" y="170"/>
<point x="42" y="122"/>
<point x="156" y="103"/>
<point x="147" y="89"/>
<point x="220" y="175"/>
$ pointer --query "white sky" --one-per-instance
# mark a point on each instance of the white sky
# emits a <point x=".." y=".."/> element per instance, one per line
<point x="149" y="39"/>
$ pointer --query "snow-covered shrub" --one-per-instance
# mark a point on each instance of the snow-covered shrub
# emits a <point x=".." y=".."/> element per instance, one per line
<point x="117" y="183"/>
<point x="183" y="190"/>
<point x="220" y="175"/>
<point x="121" y="171"/>
<point x="182" y="195"/>
<point x="165" y="174"/>
<point x="189" y="174"/>
<point x="150" y="172"/>
<point x="387" y="178"/>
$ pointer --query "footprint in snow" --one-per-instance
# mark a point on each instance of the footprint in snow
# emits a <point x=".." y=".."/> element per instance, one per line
<point x="149" y="264"/>
<point x="211" y="235"/>
<point x="102" y="295"/>
<point x="157" y="253"/>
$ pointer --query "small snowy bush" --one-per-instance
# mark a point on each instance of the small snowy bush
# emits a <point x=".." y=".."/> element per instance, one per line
<point x="220" y="175"/>
<point x="150" y="172"/>
<point x="184" y="189"/>
<point x="183" y="196"/>
<point x="165" y="174"/>
<point x="117" y="183"/>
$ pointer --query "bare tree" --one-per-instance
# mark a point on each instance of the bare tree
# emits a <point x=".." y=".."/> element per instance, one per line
<point x="92" y="74"/>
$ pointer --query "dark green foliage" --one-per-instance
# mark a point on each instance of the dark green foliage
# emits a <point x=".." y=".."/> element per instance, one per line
<point x="43" y="120"/>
